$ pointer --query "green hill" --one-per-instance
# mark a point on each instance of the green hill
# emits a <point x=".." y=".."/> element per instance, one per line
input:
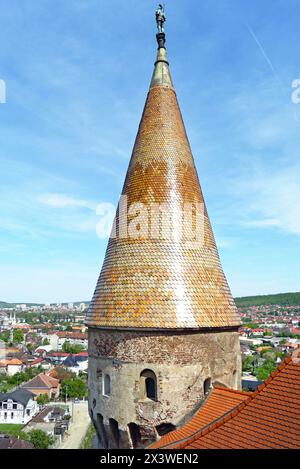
<point x="3" y="304"/>
<point x="284" y="299"/>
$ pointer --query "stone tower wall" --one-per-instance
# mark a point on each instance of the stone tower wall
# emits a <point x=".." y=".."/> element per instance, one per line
<point x="181" y="360"/>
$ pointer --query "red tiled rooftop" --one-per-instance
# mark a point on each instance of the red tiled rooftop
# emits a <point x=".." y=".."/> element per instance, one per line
<point x="218" y="402"/>
<point x="41" y="381"/>
<point x="268" y="418"/>
<point x="59" y="354"/>
<point x="70" y="335"/>
<point x="10" y="361"/>
<point x="81" y="354"/>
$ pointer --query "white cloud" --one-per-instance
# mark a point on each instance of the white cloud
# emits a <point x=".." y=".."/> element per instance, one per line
<point x="271" y="199"/>
<point x="61" y="201"/>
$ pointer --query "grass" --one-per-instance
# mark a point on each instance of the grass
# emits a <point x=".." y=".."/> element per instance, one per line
<point x="11" y="428"/>
<point x="87" y="440"/>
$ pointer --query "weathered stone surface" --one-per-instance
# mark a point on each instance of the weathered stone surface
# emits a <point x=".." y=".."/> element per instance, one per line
<point x="181" y="362"/>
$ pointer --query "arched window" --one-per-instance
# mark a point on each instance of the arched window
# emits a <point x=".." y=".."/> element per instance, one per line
<point x="115" y="432"/>
<point x="135" y="434"/>
<point x="234" y="379"/>
<point x="148" y="385"/>
<point x="165" y="428"/>
<point x="106" y="386"/>
<point x="206" y="386"/>
<point x="100" y="380"/>
<point x="101" y="431"/>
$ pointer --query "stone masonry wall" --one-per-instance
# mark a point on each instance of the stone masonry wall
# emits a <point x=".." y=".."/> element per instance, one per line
<point x="181" y="361"/>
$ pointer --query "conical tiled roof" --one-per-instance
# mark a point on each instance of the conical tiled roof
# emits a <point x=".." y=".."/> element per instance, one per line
<point x="158" y="281"/>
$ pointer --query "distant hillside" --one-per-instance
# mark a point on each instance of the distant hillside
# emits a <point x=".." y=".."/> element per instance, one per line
<point x="284" y="299"/>
<point x="3" y="304"/>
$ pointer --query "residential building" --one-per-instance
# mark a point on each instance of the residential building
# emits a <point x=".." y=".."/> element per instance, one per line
<point x="76" y="363"/>
<point x="43" y="384"/>
<point x="11" y="366"/>
<point x="58" y="338"/>
<point x="17" y="407"/>
<point x="52" y="420"/>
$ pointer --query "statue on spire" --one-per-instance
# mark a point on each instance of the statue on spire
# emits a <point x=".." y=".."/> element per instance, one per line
<point x="160" y="18"/>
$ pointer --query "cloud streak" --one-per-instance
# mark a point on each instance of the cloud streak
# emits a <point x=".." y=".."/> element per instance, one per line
<point x="62" y="201"/>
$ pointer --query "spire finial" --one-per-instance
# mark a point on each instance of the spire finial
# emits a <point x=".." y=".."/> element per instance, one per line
<point x="160" y="19"/>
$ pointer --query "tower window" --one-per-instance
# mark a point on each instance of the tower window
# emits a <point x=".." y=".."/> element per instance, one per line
<point x="165" y="428"/>
<point x="148" y="385"/>
<point x="106" y="387"/>
<point x="115" y="432"/>
<point x="101" y="431"/>
<point x="100" y="380"/>
<point x="135" y="434"/>
<point x="234" y="379"/>
<point x="206" y="386"/>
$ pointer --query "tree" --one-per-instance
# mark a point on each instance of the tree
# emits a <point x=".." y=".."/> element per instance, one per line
<point x="72" y="348"/>
<point x="248" y="363"/>
<point x="46" y="342"/>
<point x="62" y="374"/>
<point x="42" y="399"/>
<point x="30" y="347"/>
<point x="69" y="328"/>
<point x="18" y="336"/>
<point x="251" y="325"/>
<point x="263" y="372"/>
<point x="5" y="336"/>
<point x="72" y="388"/>
<point x="268" y="355"/>
<point x="40" y="439"/>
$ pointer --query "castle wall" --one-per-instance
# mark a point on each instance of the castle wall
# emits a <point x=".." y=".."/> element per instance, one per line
<point x="181" y="361"/>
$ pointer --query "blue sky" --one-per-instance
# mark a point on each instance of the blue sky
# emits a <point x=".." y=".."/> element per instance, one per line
<point x="77" y="74"/>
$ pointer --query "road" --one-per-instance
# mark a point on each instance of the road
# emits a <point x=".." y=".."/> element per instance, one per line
<point x="78" y="427"/>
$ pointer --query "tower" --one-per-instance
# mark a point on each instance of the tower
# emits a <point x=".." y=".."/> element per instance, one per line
<point x="163" y="326"/>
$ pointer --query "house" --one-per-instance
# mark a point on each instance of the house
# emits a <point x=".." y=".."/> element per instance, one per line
<point x="245" y="350"/>
<point x="52" y="420"/>
<point x="74" y="338"/>
<point x="42" y="350"/>
<point x="58" y="338"/>
<point x="40" y="362"/>
<point x="257" y="333"/>
<point x="79" y="328"/>
<point x="11" y="442"/>
<point x="11" y="366"/>
<point x="76" y="363"/>
<point x="57" y="357"/>
<point x="17" y="407"/>
<point x="265" y="419"/>
<point x="250" y="383"/>
<point x="43" y="384"/>
<point x="9" y="351"/>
